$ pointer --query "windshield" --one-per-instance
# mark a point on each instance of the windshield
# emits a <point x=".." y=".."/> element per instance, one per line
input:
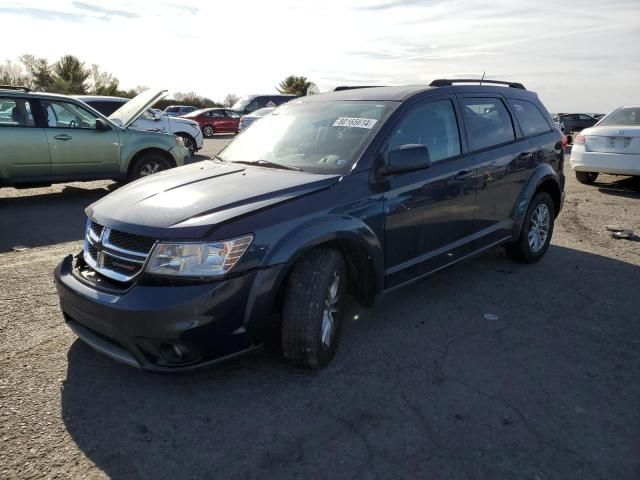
<point x="318" y="137"/>
<point x="241" y="104"/>
<point x="629" y="116"/>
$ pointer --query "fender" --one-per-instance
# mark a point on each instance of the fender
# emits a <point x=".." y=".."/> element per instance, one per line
<point x="282" y="256"/>
<point x="542" y="173"/>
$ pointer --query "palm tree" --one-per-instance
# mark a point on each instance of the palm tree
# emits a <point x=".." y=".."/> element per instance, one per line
<point x="294" y="85"/>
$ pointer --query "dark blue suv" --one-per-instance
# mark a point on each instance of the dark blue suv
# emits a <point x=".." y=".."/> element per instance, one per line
<point x="353" y="192"/>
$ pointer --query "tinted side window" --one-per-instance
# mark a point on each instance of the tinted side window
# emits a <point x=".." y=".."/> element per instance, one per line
<point x="488" y="122"/>
<point x="16" y="113"/>
<point x="585" y="117"/>
<point x="216" y="113"/>
<point x="530" y="118"/>
<point x="433" y="125"/>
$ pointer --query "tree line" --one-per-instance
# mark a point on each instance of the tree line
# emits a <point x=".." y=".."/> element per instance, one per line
<point x="70" y="76"/>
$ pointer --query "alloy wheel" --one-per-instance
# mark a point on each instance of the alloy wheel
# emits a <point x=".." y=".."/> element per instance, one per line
<point x="539" y="228"/>
<point x="330" y="310"/>
<point x="150" y="168"/>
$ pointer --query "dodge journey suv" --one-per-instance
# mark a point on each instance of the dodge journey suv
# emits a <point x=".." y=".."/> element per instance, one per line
<point x="354" y="192"/>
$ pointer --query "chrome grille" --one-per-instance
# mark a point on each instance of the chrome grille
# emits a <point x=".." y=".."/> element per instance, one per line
<point x="117" y="255"/>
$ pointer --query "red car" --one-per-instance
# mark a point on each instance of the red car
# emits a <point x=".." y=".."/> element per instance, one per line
<point x="215" y="120"/>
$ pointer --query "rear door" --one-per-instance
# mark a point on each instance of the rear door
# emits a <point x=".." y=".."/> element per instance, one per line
<point x="76" y="147"/>
<point x="429" y="213"/>
<point x="24" y="151"/>
<point x="233" y="119"/>
<point x="503" y="160"/>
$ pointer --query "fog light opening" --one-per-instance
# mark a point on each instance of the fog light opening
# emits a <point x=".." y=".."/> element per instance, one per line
<point x="174" y="352"/>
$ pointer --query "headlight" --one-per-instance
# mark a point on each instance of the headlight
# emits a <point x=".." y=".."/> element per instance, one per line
<point x="197" y="259"/>
<point x="179" y="141"/>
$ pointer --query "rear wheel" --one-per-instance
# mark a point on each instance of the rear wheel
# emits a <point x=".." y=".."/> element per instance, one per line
<point x="208" y="131"/>
<point x="586" y="177"/>
<point x="311" y="316"/>
<point x="536" y="232"/>
<point x="148" y="164"/>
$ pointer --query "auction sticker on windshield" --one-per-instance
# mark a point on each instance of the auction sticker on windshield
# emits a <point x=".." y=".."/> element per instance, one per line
<point x="355" y="122"/>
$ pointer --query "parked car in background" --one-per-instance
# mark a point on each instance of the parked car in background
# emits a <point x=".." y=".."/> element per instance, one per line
<point x="248" y="119"/>
<point x="575" y="122"/>
<point x="49" y="138"/>
<point x="251" y="103"/>
<point x="177" y="110"/>
<point x="152" y="120"/>
<point x="612" y="146"/>
<point x="215" y="120"/>
<point x="354" y="192"/>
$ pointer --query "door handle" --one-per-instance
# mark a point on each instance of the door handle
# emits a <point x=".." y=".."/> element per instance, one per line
<point x="64" y="137"/>
<point x="462" y="174"/>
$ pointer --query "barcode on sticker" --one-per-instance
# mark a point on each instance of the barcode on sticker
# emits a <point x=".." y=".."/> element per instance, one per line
<point x="355" y="122"/>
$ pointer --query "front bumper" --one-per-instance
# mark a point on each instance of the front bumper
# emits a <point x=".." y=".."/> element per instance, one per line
<point x="199" y="137"/>
<point x="601" y="162"/>
<point x="160" y="328"/>
<point x="181" y="155"/>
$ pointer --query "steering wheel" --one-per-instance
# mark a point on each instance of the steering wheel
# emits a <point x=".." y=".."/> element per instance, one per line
<point x="73" y="124"/>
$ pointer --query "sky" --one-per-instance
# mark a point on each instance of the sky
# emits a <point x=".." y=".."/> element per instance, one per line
<point x="578" y="56"/>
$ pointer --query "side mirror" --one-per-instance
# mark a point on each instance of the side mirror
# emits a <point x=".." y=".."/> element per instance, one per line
<point x="102" y="124"/>
<point x="407" y="158"/>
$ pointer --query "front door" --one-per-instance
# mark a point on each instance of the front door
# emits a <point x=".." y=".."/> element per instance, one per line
<point x="25" y="152"/>
<point x="77" y="147"/>
<point x="429" y="213"/>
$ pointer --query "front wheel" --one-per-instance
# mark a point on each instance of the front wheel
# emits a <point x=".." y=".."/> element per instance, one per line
<point x="311" y="316"/>
<point x="536" y="232"/>
<point x="148" y="164"/>
<point x="189" y="142"/>
<point x="586" y="177"/>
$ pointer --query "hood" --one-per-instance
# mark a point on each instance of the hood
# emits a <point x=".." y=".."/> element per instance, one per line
<point x="130" y="111"/>
<point x="187" y="202"/>
<point x="182" y="121"/>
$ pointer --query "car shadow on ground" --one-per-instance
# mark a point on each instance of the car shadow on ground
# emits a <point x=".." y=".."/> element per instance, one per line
<point x="546" y="386"/>
<point x="45" y="219"/>
<point x="628" y="187"/>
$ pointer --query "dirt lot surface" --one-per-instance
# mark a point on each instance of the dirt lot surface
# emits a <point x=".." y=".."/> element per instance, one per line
<point x="424" y="385"/>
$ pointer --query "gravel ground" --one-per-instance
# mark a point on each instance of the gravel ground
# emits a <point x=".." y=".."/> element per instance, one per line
<point x="424" y="386"/>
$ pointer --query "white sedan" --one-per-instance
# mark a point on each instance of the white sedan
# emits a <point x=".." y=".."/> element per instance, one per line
<point x="611" y="146"/>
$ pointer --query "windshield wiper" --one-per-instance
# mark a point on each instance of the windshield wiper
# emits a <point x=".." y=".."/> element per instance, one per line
<point x="268" y="163"/>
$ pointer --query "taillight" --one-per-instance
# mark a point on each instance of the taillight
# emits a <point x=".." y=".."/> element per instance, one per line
<point x="579" y="140"/>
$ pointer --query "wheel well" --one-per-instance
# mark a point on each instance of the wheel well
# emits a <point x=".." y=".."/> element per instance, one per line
<point x="551" y="187"/>
<point x="166" y="155"/>
<point x="185" y="134"/>
<point x="360" y="269"/>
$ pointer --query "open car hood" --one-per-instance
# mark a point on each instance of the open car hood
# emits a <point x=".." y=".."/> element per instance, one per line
<point x="131" y="111"/>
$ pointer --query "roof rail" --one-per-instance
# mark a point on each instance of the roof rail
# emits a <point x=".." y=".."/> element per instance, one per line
<point x="353" y="87"/>
<point x="14" y="87"/>
<point x="445" y="82"/>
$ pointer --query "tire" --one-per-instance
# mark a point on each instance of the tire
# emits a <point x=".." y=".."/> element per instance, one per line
<point x="148" y="164"/>
<point x="569" y="139"/>
<point x="189" y="142"/>
<point x="208" y="131"/>
<point x="586" y="177"/>
<point x="316" y="286"/>
<point x="532" y="244"/>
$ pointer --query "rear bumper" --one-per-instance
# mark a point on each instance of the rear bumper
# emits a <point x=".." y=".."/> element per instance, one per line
<point x="600" y="162"/>
<point x="144" y="325"/>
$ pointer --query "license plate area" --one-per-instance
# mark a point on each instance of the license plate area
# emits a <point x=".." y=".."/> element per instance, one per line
<point x="619" y="142"/>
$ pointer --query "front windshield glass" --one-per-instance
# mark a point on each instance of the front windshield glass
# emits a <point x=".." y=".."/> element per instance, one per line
<point x="241" y="104"/>
<point x="629" y="116"/>
<point x="318" y="137"/>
